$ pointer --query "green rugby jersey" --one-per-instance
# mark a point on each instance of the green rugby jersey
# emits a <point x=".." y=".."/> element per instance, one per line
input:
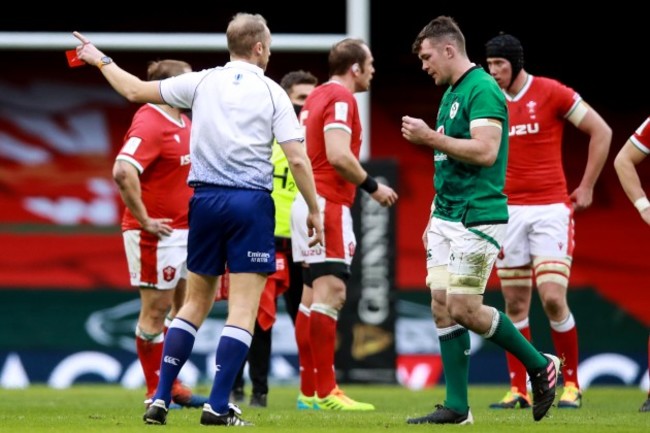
<point x="465" y="192"/>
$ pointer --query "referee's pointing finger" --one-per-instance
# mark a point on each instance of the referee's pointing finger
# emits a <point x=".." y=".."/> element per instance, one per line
<point x="81" y="37"/>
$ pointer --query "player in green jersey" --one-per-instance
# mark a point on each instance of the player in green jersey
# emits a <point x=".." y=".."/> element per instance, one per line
<point x="468" y="219"/>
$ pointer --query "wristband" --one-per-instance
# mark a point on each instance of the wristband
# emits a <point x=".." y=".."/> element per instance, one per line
<point x="370" y="185"/>
<point x="642" y="204"/>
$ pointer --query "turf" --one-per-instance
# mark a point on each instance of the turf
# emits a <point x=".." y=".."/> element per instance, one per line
<point x="109" y="408"/>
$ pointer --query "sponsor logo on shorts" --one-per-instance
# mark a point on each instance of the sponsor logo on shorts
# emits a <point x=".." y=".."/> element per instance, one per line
<point x="258" y="256"/>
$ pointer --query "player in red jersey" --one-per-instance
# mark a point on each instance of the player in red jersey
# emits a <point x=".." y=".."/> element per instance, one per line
<point x="635" y="150"/>
<point x="539" y="242"/>
<point x="333" y="138"/>
<point x="151" y="172"/>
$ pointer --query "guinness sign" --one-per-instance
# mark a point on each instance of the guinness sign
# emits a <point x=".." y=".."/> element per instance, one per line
<point x="366" y="328"/>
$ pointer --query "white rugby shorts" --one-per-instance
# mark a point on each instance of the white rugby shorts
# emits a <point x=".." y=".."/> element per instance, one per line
<point x="338" y="233"/>
<point x="153" y="262"/>
<point x="537" y="231"/>
<point x="465" y="251"/>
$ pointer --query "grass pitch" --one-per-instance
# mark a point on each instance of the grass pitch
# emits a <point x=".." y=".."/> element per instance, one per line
<point x="109" y="408"/>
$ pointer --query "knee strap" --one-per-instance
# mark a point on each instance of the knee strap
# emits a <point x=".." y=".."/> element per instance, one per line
<point x="437" y="278"/>
<point x="552" y="270"/>
<point x="519" y="277"/>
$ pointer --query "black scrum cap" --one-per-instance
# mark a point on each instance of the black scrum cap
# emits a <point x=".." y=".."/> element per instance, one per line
<point x="507" y="47"/>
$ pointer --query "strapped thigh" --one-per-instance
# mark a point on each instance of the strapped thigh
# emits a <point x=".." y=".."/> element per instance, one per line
<point x="552" y="270"/>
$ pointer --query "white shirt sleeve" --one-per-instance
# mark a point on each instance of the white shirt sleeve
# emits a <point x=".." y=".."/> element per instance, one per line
<point x="285" y="122"/>
<point x="179" y="91"/>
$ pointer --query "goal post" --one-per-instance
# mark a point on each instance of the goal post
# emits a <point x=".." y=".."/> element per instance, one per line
<point x="357" y="25"/>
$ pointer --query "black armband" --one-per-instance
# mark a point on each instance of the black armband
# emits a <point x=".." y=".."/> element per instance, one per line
<point x="369" y="185"/>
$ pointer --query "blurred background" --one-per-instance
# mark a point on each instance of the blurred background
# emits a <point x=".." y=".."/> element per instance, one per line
<point x="67" y="313"/>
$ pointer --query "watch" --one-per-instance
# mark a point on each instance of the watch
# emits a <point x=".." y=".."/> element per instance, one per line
<point x="104" y="61"/>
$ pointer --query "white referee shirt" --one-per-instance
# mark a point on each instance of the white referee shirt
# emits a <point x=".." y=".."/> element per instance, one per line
<point x="236" y="113"/>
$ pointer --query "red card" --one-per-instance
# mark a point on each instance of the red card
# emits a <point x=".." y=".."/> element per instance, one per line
<point x="73" y="60"/>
